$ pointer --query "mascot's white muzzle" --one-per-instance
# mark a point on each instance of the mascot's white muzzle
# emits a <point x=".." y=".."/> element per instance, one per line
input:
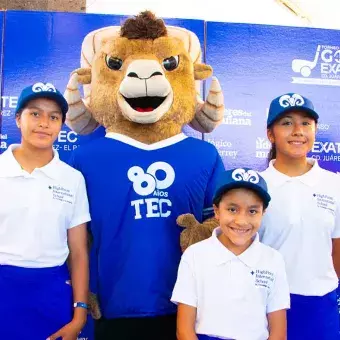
<point x="145" y="94"/>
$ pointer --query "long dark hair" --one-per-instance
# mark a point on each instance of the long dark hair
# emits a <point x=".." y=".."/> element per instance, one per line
<point x="18" y="114"/>
<point x="272" y="153"/>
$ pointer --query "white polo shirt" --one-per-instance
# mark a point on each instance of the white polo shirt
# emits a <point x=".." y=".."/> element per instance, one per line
<point x="232" y="294"/>
<point x="300" y="222"/>
<point x="37" y="209"/>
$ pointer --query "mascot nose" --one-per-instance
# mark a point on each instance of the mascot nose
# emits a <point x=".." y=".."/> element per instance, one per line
<point x="135" y="75"/>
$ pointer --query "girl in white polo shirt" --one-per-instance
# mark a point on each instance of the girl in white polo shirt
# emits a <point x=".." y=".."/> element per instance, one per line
<point x="231" y="286"/>
<point x="303" y="220"/>
<point x="43" y="215"/>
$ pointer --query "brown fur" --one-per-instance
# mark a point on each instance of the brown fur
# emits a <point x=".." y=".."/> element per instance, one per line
<point x="105" y="85"/>
<point x="145" y="37"/>
<point x="202" y="71"/>
<point x="143" y="26"/>
<point x="195" y="231"/>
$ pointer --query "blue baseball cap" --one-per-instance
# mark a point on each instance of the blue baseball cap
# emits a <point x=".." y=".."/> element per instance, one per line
<point x="243" y="178"/>
<point x="289" y="102"/>
<point x="42" y="90"/>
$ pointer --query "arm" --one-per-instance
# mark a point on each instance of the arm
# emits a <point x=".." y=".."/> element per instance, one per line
<point x="336" y="237"/>
<point x="78" y="259"/>
<point x="78" y="266"/>
<point x="278" y="301"/>
<point x="336" y="255"/>
<point x="277" y="325"/>
<point x="185" y="296"/>
<point x="186" y="317"/>
<point x="78" y="263"/>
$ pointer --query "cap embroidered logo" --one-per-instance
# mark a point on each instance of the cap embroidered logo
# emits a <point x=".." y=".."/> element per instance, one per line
<point x="294" y="100"/>
<point x="247" y="176"/>
<point x="41" y="87"/>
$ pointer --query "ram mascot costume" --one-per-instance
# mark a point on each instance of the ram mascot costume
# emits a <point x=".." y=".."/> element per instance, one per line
<point x="150" y="186"/>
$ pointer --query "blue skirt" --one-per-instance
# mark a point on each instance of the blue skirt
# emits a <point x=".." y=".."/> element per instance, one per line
<point x="313" y="317"/>
<point x="34" y="303"/>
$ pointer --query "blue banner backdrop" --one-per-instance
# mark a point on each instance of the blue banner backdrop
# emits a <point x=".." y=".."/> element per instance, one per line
<point x="256" y="63"/>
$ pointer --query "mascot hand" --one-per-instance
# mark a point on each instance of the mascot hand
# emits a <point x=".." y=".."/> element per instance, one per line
<point x="82" y="75"/>
<point x="194" y="231"/>
<point x="93" y="303"/>
<point x="94" y="309"/>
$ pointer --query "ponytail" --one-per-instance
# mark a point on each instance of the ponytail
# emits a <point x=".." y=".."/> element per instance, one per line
<point x="272" y="153"/>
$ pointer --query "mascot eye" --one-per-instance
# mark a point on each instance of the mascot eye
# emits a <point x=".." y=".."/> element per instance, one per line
<point x="113" y="63"/>
<point x="171" y="63"/>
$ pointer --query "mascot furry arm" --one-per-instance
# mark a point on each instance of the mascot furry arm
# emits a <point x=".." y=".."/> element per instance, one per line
<point x="141" y="82"/>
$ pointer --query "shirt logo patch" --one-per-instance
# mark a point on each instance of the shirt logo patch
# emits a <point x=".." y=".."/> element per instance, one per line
<point x="325" y="202"/>
<point x="155" y="181"/>
<point x="263" y="278"/>
<point x="61" y="194"/>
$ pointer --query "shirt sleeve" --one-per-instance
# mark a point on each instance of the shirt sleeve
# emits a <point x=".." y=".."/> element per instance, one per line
<point x="81" y="212"/>
<point x="185" y="290"/>
<point x="208" y="210"/>
<point x="279" y="297"/>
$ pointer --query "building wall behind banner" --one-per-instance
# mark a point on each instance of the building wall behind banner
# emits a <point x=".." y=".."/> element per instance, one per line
<point x="256" y="63"/>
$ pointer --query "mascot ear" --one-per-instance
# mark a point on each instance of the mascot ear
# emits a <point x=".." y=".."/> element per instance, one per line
<point x="84" y="75"/>
<point x="202" y="71"/>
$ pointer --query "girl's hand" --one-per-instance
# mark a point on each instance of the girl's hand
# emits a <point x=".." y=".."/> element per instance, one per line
<point x="69" y="331"/>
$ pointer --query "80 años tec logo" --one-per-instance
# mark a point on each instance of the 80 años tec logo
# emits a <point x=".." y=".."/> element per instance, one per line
<point x="150" y="182"/>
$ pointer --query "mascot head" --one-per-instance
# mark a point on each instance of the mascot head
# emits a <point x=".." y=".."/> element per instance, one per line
<point x="142" y="78"/>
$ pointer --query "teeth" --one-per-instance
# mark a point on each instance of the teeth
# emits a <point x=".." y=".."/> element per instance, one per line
<point x="241" y="231"/>
<point x="296" y="143"/>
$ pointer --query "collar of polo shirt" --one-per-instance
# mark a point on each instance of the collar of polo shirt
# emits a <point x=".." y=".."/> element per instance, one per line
<point x="309" y="178"/>
<point x="9" y="166"/>
<point x="222" y="254"/>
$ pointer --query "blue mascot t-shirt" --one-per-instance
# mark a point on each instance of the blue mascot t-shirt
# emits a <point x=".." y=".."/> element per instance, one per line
<point x="136" y="192"/>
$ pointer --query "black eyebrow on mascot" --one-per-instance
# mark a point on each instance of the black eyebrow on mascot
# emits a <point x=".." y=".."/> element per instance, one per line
<point x="150" y="186"/>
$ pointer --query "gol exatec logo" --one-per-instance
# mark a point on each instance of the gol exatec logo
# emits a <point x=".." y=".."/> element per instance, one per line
<point x="322" y="69"/>
<point x="326" y="151"/>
